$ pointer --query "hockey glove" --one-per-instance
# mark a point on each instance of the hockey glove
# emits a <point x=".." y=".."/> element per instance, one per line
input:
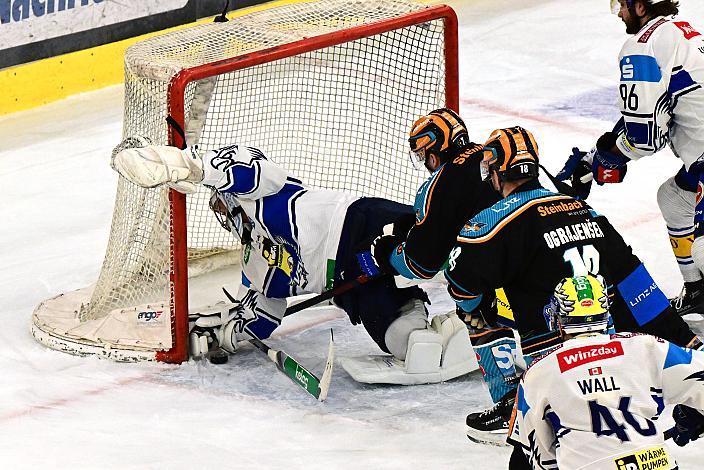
<point x="212" y="327"/>
<point x="484" y="316"/>
<point x="376" y="261"/>
<point x="689" y="425"/>
<point x="578" y="169"/>
<point x="150" y="166"/>
<point x="382" y="247"/>
<point x="608" y="167"/>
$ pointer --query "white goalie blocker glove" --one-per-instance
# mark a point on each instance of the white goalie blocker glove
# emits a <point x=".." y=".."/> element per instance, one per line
<point x="217" y="326"/>
<point x="151" y="166"/>
<point x="226" y="324"/>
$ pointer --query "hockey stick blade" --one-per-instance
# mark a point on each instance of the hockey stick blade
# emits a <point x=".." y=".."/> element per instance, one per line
<point x="295" y="371"/>
<point x="327" y="373"/>
<point x="299" y="374"/>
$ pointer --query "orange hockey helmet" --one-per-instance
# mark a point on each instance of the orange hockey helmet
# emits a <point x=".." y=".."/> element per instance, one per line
<point x="512" y="153"/>
<point x="442" y="132"/>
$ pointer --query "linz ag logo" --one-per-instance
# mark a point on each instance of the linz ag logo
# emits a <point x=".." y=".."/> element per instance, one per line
<point x="149" y="316"/>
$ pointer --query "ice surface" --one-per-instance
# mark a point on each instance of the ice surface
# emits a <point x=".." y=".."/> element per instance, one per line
<point x="548" y="65"/>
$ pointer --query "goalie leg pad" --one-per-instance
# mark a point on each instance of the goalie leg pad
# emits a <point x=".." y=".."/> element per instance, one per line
<point x="413" y="317"/>
<point x="439" y="352"/>
<point x="424" y="352"/>
<point x="457" y="355"/>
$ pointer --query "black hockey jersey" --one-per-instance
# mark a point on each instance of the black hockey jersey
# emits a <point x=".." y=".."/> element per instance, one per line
<point x="453" y="194"/>
<point x="530" y="240"/>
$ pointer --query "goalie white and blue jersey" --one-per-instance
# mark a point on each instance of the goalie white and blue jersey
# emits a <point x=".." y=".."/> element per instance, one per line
<point x="593" y="402"/>
<point x="296" y="228"/>
<point x="661" y="94"/>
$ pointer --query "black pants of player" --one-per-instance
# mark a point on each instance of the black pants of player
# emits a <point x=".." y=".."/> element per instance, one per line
<point x="377" y="303"/>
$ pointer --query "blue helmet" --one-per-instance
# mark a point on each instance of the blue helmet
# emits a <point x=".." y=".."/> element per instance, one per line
<point x="616" y="4"/>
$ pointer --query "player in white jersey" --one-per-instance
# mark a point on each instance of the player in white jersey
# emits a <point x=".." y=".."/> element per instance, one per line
<point x="299" y="239"/>
<point x="592" y="402"/>
<point x="661" y="103"/>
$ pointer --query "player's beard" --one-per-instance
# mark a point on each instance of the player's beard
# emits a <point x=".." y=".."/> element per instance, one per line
<point x="632" y="23"/>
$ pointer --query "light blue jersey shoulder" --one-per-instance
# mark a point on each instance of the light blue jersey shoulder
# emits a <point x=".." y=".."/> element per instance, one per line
<point x="501" y="212"/>
<point x="424" y="195"/>
<point x="489" y="218"/>
<point x="494" y="217"/>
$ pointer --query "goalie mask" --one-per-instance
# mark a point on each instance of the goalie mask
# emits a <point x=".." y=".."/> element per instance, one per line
<point x="231" y="216"/>
<point x="442" y="132"/>
<point x="512" y="153"/>
<point x="579" y="305"/>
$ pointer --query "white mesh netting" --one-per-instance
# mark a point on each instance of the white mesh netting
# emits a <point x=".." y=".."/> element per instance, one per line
<point x="337" y="117"/>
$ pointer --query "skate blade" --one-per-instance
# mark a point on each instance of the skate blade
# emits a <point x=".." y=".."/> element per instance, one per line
<point x="497" y="439"/>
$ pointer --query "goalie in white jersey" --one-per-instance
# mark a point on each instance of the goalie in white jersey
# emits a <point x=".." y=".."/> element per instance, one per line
<point x="298" y="239"/>
<point x="661" y="102"/>
<point x="592" y="402"/>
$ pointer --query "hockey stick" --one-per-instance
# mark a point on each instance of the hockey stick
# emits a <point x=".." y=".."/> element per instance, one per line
<point x="561" y="186"/>
<point x="329" y="294"/>
<point x="318" y="387"/>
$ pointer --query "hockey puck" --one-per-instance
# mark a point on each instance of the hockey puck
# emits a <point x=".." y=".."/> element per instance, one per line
<point x="218" y="357"/>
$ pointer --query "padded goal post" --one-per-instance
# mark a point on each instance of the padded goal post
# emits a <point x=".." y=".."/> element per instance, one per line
<point x="327" y="89"/>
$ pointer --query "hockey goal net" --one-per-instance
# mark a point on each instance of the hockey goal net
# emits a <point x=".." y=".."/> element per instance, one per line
<point x="327" y="89"/>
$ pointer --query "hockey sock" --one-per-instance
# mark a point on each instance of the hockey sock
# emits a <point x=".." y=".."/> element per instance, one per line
<point x="676" y="199"/>
<point x="535" y="346"/>
<point x="495" y="349"/>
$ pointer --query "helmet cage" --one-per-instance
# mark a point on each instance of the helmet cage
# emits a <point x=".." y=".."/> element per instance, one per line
<point x="579" y="305"/>
<point x="230" y="215"/>
<point x="584" y="324"/>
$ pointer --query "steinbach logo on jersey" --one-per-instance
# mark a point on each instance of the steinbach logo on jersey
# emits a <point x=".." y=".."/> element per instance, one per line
<point x="579" y="356"/>
<point x="548" y="209"/>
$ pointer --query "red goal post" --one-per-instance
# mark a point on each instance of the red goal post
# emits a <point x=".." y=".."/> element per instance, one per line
<point x="349" y="73"/>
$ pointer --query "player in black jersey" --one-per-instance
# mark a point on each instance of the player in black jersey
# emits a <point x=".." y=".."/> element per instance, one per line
<point x="449" y="197"/>
<point x="533" y="238"/>
<point x="443" y="203"/>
